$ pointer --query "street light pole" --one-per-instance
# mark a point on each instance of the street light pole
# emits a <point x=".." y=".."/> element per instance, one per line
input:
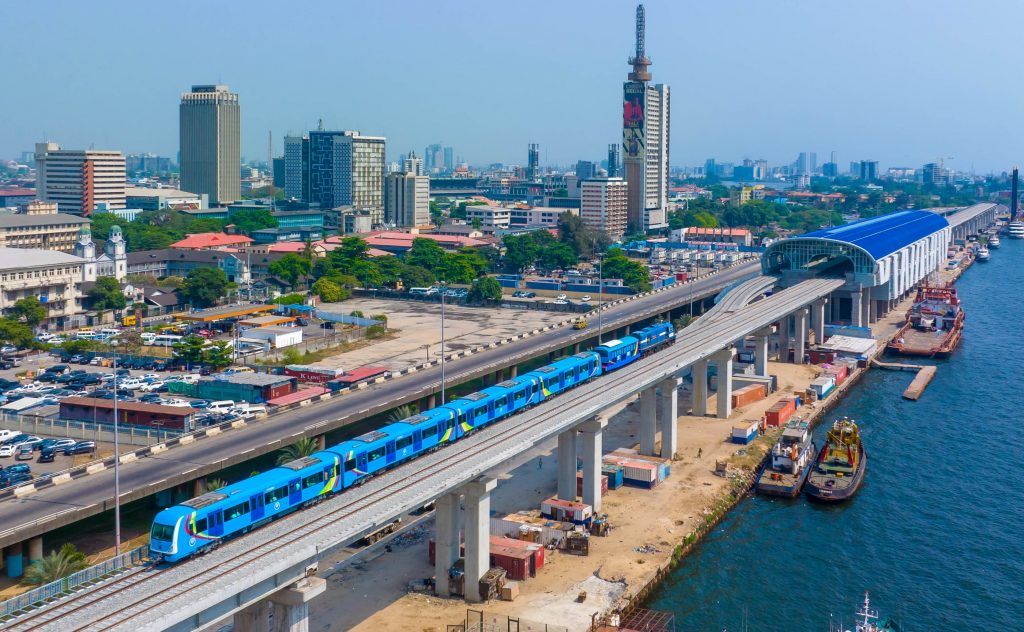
<point x="117" y="472"/>
<point x="442" y="284"/>
<point x="600" y="296"/>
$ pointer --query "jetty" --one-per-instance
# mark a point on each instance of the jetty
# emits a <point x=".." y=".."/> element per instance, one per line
<point x="924" y="376"/>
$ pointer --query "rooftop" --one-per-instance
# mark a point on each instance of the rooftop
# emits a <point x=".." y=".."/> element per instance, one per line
<point x="17" y="220"/>
<point x="881" y="236"/>
<point x="18" y="258"/>
<point x="17" y="192"/>
<point x="96" y="402"/>
<point x="161" y="192"/>
<point x="211" y="240"/>
<point x="254" y="379"/>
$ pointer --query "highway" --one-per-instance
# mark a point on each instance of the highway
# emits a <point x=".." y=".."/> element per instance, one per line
<point x="189" y="595"/>
<point x="54" y="506"/>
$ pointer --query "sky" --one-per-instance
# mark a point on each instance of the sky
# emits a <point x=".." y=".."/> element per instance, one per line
<point x="900" y="81"/>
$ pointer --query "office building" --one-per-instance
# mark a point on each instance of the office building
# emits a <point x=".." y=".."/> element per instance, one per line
<point x="296" y="168"/>
<point x="604" y="206"/>
<point x="433" y="159"/>
<point x="533" y="163"/>
<point x="869" y="170"/>
<point x="164" y="198"/>
<point x="79" y="180"/>
<point x="408" y="198"/>
<point x="490" y="217"/>
<point x="449" y="160"/>
<point x="54" y="278"/>
<point x="645" y="140"/>
<point x="210" y="143"/>
<point x="830" y="170"/>
<point x="38" y="225"/>
<point x="806" y="163"/>
<point x="935" y="174"/>
<point x="614" y="160"/>
<point x="585" y="169"/>
<point x="347" y="169"/>
<point x="147" y="164"/>
<point x="412" y="164"/>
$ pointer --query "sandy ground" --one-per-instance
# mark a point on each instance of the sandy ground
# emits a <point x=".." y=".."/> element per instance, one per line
<point x="372" y="593"/>
<point x="420" y="327"/>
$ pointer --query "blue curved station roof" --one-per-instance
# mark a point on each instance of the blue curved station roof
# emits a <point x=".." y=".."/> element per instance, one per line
<point x="881" y="236"/>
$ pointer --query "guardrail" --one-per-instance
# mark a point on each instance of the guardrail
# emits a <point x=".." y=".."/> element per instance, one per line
<point x="58" y="478"/>
<point x="54" y="590"/>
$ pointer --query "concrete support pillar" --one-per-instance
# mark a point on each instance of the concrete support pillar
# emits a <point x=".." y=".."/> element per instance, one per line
<point x="576" y="348"/>
<point x="784" y="339"/>
<point x="199" y="486"/>
<point x="648" y="421"/>
<point x="800" y="341"/>
<point x="856" y="308"/>
<point x="567" y="464"/>
<point x="591" y="431"/>
<point x="35" y="550"/>
<point x="431" y="401"/>
<point x="291" y="604"/>
<point x="321" y="442"/>
<point x="872" y="310"/>
<point x="513" y="371"/>
<point x="478" y="534"/>
<point x="761" y="351"/>
<point x="818" y="318"/>
<point x="669" y="417"/>
<point x="865" y="309"/>
<point x="446" y="541"/>
<point x="723" y="360"/>
<point x="255" y="618"/>
<point x="629" y="328"/>
<point x="700" y="388"/>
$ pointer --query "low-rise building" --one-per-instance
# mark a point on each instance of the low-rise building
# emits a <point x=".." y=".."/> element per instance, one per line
<point x="277" y="337"/>
<point x="492" y="217"/>
<point x="16" y="197"/>
<point x="96" y="410"/>
<point x="211" y="241"/>
<point x="39" y="225"/>
<point x="522" y="215"/>
<point x="53" y="277"/>
<point x="160" y="199"/>
<point x="286" y="234"/>
<point x="398" y="243"/>
<point x="740" y="236"/>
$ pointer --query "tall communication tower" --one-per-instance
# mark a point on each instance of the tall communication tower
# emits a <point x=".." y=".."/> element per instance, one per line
<point x="640" y="62"/>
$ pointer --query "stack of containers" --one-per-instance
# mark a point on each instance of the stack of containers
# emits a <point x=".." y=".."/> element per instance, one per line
<point x="567" y="511"/>
<point x="613" y="473"/>
<point x="579" y="484"/>
<point x="838" y="373"/>
<point x="664" y="465"/>
<point x="748" y="395"/>
<point x="822" y="386"/>
<point x="780" y="412"/>
<point x="536" y="550"/>
<point x="635" y="473"/>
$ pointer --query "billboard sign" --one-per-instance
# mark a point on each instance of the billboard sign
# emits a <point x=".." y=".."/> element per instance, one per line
<point x="633" y="119"/>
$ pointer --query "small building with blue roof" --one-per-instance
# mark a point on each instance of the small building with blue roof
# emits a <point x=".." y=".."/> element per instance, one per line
<point x="882" y="258"/>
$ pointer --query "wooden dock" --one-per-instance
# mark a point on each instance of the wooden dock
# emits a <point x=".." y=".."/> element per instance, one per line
<point x="924" y="376"/>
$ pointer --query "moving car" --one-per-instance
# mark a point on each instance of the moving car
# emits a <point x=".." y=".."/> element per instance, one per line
<point x="579" y="323"/>
<point x="586" y="299"/>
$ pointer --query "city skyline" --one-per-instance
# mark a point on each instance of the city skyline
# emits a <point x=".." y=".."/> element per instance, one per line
<point x="874" y="69"/>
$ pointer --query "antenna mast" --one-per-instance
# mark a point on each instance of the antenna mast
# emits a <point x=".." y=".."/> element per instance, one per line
<point x="640" y="62"/>
<point x="270" y="166"/>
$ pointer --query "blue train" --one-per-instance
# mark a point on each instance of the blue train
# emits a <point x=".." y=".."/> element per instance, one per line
<point x="199" y="524"/>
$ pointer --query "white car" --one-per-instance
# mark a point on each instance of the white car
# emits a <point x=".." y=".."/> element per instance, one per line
<point x="151" y="387"/>
<point x="175" y="402"/>
<point x="585" y="299"/>
<point x="7" y="451"/>
<point x="560" y="297"/>
<point x="151" y="376"/>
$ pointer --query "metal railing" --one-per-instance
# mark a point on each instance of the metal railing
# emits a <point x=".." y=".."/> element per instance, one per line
<point x="54" y="590"/>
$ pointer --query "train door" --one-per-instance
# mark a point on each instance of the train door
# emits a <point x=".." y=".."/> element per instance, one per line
<point x="417" y="441"/>
<point x="216" y="523"/>
<point x="561" y="380"/>
<point x="256" y="502"/>
<point x="390" y="452"/>
<point x="295" y="491"/>
<point x="361" y="462"/>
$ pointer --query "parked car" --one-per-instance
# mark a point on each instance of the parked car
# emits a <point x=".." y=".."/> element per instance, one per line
<point x="31" y="442"/>
<point x="201" y="404"/>
<point x="6" y="480"/>
<point x="47" y="455"/>
<point x="78" y="358"/>
<point x="57" y="368"/>
<point x="586" y="298"/>
<point x="327" y="325"/>
<point x="149" y="377"/>
<point x="25" y="452"/>
<point x="221" y="406"/>
<point x="561" y="297"/>
<point x="301" y="322"/>
<point x="18" y="468"/>
<point x="82" y="447"/>
<point x="6" y="451"/>
<point x="8" y="349"/>
<point x="16" y="439"/>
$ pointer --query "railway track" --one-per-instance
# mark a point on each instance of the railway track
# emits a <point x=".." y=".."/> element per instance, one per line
<point x="119" y="603"/>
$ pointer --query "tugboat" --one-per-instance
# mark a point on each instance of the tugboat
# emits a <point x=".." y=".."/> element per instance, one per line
<point x="993" y="241"/>
<point x="839" y="469"/>
<point x="791" y="458"/>
<point x="982" y="254"/>
<point x="934" y="324"/>
<point x="867" y="621"/>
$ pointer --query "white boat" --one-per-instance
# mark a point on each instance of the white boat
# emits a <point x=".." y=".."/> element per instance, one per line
<point x="993" y="241"/>
<point x="1015" y="230"/>
<point x="982" y="254"/>
<point x="867" y="621"/>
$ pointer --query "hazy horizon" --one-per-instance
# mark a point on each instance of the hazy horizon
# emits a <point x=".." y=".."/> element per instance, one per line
<point x="892" y="82"/>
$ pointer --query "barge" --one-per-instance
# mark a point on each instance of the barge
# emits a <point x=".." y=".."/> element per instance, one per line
<point x="840" y="466"/>
<point x="934" y="324"/>
<point x="791" y="458"/>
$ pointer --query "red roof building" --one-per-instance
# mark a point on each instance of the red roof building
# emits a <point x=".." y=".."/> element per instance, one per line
<point x="398" y="242"/>
<point x="211" y="241"/>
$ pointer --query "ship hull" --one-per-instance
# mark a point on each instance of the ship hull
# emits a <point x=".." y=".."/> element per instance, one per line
<point x="788" y="486"/>
<point x="922" y="344"/>
<point x="831" y="489"/>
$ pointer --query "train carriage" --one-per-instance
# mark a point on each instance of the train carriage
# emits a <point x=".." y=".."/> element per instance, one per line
<point x="655" y="336"/>
<point x="618" y="353"/>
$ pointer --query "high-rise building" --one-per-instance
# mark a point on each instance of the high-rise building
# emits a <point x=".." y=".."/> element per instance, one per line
<point x="603" y="205"/>
<point x="296" y="168"/>
<point x="80" y="180"/>
<point x="210" y="143"/>
<point x="935" y="174"/>
<point x="585" y="169"/>
<point x="869" y="170"/>
<point x="412" y="164"/>
<point x="449" y="159"/>
<point x="533" y="163"/>
<point x="433" y="158"/>
<point x="830" y="170"/>
<point x="645" y="140"/>
<point x="614" y="160"/>
<point x="347" y="169"/>
<point x="807" y="163"/>
<point x="408" y="199"/>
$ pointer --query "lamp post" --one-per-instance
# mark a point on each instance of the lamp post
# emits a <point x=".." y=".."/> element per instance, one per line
<point x="600" y="296"/>
<point x="117" y="471"/>
<point x="442" y="284"/>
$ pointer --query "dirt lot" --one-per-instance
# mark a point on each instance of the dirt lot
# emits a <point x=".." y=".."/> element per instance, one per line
<point x="420" y="330"/>
<point x="372" y="593"/>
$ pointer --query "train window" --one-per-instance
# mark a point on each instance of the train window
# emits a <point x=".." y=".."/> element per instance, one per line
<point x="350" y="465"/>
<point x="376" y="454"/>
<point x="500" y="403"/>
<point x="275" y="495"/>
<point x="200" y="525"/>
<point x="237" y="511"/>
<point x="428" y="432"/>
<point x="403" y="442"/>
<point x="295" y="487"/>
<point x="162" y="532"/>
<point x="310" y="481"/>
<point x="480" y="412"/>
<point x="521" y="395"/>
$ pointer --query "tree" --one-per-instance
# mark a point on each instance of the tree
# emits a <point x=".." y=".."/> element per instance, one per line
<point x="218" y="355"/>
<point x="128" y="341"/>
<point x="291" y="268"/>
<point x="252" y="219"/>
<point x="29" y="311"/>
<point x="212" y="484"/>
<point x="424" y="253"/>
<point x="521" y="251"/>
<point x="417" y="276"/>
<point x="57" y="565"/>
<point x="190" y="349"/>
<point x="402" y="412"/>
<point x="290" y="299"/>
<point x="18" y="334"/>
<point x="633" y="274"/>
<point x="107" y="295"/>
<point x="301" y="448"/>
<point x="204" y="286"/>
<point x="573" y="232"/>
<point x="485" y="289"/>
<point x="329" y="291"/>
<point x="557" y="256"/>
<point x="477" y="224"/>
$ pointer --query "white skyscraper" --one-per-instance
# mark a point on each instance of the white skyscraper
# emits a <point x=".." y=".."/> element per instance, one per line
<point x="645" y="140"/>
<point x="603" y="205"/>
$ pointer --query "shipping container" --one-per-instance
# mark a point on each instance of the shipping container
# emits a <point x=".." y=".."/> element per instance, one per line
<point x="517" y="563"/>
<point x="579" y="484"/>
<point x="748" y="395"/>
<point x="534" y="547"/>
<point x="745" y="432"/>
<point x="613" y="473"/>
<point x="663" y="464"/>
<point x="780" y="412"/>
<point x="567" y="511"/>
<point x="822" y="386"/>
<point x="636" y="473"/>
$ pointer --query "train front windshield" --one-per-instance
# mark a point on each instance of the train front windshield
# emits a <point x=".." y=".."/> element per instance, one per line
<point x="162" y="532"/>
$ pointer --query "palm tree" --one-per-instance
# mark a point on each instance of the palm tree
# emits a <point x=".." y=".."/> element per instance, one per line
<point x="213" y="484"/>
<point x="403" y="412"/>
<point x="303" y="447"/>
<point x="57" y="565"/>
<point x="307" y="251"/>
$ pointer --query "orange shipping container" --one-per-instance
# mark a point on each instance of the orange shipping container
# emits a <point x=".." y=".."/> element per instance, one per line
<point x="780" y="412"/>
<point x="748" y="395"/>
